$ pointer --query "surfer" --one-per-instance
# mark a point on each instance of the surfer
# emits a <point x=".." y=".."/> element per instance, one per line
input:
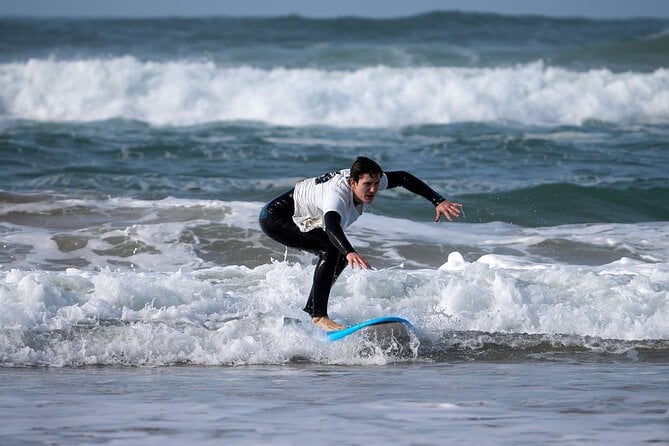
<point x="312" y="217"/>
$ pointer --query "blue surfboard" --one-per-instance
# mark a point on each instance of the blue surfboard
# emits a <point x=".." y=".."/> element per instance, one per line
<point x="340" y="334"/>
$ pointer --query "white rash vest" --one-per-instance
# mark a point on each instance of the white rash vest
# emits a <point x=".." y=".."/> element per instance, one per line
<point x="314" y="197"/>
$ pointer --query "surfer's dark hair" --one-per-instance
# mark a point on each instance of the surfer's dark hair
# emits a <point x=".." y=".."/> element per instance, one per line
<point x="363" y="165"/>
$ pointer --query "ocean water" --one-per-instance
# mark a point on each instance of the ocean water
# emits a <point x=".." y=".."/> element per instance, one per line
<point x="134" y="280"/>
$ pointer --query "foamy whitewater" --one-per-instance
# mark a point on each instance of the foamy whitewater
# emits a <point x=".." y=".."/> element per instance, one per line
<point x="141" y="304"/>
<point x="190" y="93"/>
<point x="155" y="292"/>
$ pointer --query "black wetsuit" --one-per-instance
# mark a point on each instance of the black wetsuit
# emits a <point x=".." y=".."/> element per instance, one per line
<point x="329" y="244"/>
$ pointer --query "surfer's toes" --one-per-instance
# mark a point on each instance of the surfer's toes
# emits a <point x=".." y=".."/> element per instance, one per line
<point x="327" y="324"/>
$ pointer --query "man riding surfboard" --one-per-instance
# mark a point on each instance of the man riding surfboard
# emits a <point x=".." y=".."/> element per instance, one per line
<point x="313" y="215"/>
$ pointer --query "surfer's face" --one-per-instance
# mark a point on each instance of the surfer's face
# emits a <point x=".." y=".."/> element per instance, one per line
<point x="365" y="189"/>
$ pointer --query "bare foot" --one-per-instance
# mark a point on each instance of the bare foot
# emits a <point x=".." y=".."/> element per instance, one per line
<point x="327" y="324"/>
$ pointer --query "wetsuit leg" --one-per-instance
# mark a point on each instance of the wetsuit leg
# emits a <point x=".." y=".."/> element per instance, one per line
<point x="330" y="265"/>
<point x="276" y="220"/>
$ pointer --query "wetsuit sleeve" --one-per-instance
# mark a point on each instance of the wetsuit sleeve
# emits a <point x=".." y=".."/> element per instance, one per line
<point x="413" y="184"/>
<point x="332" y="226"/>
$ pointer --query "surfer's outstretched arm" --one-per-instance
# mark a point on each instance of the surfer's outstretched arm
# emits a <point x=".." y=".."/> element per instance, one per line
<point x="413" y="184"/>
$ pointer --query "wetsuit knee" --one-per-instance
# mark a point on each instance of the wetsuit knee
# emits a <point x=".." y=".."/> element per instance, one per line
<point x="276" y="219"/>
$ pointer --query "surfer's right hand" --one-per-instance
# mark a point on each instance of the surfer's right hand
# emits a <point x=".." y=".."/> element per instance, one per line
<point x="356" y="260"/>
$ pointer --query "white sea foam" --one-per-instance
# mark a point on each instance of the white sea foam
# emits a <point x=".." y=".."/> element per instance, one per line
<point x="167" y="305"/>
<point x="235" y="314"/>
<point x="186" y="92"/>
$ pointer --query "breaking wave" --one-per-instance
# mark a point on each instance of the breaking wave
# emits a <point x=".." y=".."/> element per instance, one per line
<point x="189" y="93"/>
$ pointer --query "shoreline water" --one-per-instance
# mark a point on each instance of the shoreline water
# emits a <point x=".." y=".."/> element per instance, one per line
<point x="484" y="402"/>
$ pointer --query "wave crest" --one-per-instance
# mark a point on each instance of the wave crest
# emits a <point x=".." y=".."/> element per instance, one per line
<point x="191" y="93"/>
